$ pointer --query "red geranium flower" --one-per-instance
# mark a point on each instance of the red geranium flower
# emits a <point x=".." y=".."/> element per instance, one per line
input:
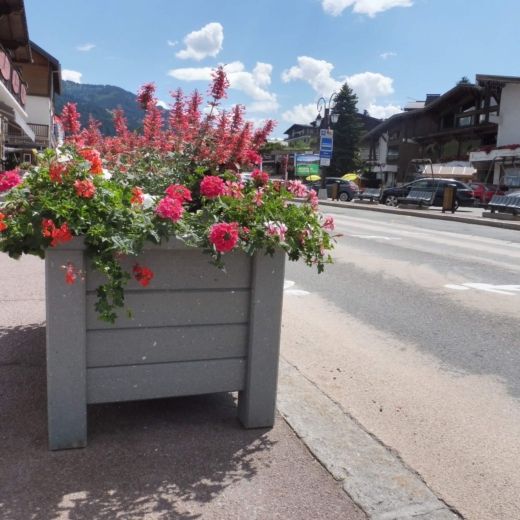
<point x="9" y="180"/>
<point x="56" y="172"/>
<point x="3" y="225"/>
<point x="96" y="166"/>
<point x="85" y="188"/>
<point x="212" y="187"/>
<point x="142" y="274"/>
<point x="170" y="208"/>
<point x="176" y="191"/>
<point x="224" y="236"/>
<point x="59" y="235"/>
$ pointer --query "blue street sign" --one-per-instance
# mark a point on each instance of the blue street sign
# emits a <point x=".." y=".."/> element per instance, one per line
<point x="326" y="144"/>
<point x="325" y="155"/>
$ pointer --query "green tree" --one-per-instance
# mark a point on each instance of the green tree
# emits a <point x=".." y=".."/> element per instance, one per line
<point x="347" y="132"/>
<point x="463" y="81"/>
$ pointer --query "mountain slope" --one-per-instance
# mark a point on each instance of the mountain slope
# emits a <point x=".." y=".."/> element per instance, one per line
<point x="99" y="101"/>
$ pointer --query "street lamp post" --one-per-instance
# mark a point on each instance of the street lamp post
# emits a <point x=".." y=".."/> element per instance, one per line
<point x="329" y="116"/>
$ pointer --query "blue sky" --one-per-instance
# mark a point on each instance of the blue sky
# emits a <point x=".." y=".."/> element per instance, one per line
<point x="282" y="55"/>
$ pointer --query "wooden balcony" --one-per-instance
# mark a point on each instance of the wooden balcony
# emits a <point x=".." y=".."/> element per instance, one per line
<point x="11" y="78"/>
<point x="17" y="137"/>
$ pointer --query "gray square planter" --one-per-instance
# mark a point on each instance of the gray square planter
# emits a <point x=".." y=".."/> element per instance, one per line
<point x="194" y="330"/>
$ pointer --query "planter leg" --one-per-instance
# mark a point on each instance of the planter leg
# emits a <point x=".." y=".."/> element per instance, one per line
<point x="66" y="352"/>
<point x="257" y="403"/>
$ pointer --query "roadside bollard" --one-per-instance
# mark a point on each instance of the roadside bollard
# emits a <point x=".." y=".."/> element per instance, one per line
<point x="335" y="190"/>
<point x="450" y="198"/>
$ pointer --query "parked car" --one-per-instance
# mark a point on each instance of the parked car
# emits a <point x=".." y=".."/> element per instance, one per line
<point x="246" y="177"/>
<point x="347" y="189"/>
<point x="484" y="192"/>
<point x="465" y="195"/>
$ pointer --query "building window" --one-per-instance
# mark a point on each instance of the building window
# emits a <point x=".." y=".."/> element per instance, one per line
<point x="448" y="121"/>
<point x="27" y="158"/>
<point x="431" y="151"/>
<point x="482" y="117"/>
<point x="465" y="121"/>
<point x="470" y="106"/>
<point x="393" y="154"/>
<point x="469" y="144"/>
<point x="450" y="149"/>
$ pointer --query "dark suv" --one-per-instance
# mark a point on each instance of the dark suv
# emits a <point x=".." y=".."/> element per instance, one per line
<point x="465" y="195"/>
<point x="347" y="189"/>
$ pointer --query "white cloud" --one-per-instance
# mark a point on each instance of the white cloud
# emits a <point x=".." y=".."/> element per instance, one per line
<point x="368" y="86"/>
<point x="316" y="73"/>
<point x="251" y="83"/>
<point x="162" y="104"/>
<point x="383" y="112"/>
<point x="71" y="75"/>
<point x="369" y="7"/>
<point x="386" y="55"/>
<point x="206" y="42"/>
<point x="86" y="47"/>
<point x="302" y="114"/>
<point x="172" y="44"/>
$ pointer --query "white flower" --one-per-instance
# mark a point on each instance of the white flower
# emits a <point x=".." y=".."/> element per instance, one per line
<point x="106" y="175"/>
<point x="148" y="201"/>
<point x="62" y="157"/>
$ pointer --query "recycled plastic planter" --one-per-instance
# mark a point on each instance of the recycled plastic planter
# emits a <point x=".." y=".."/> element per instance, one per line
<point x="194" y="330"/>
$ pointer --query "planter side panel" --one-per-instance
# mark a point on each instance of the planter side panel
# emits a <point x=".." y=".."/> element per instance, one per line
<point x="66" y="352"/>
<point x="188" y="333"/>
<point x="165" y="344"/>
<point x="257" y="403"/>
<point x="133" y="383"/>
<point x="185" y="269"/>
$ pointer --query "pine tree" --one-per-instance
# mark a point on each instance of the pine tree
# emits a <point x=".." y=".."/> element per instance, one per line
<point x="347" y="132"/>
<point x="463" y="81"/>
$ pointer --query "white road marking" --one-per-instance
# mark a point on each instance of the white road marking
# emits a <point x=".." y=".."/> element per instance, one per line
<point x="370" y="237"/>
<point x="296" y="292"/>
<point x="497" y="289"/>
<point x="489" y="288"/>
<point x="287" y="284"/>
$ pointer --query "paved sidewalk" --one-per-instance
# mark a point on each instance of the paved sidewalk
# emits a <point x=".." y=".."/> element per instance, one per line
<point x="463" y="215"/>
<point x="166" y="459"/>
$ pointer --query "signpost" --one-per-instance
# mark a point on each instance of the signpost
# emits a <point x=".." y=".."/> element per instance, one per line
<point x="326" y="146"/>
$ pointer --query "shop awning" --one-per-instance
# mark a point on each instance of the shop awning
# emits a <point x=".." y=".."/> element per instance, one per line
<point x="442" y="170"/>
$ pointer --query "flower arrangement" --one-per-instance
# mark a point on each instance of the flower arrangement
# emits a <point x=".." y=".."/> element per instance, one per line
<point x="177" y="178"/>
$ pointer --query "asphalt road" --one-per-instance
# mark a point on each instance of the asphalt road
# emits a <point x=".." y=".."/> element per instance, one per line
<point x="414" y="331"/>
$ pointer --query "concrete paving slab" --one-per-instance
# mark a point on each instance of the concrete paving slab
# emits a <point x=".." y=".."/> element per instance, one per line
<point x="373" y="476"/>
<point x="182" y="458"/>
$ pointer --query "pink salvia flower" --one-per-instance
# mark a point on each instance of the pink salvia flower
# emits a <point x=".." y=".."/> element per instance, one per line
<point x="70" y="119"/>
<point x="220" y="84"/>
<point x="253" y="157"/>
<point x="145" y="96"/>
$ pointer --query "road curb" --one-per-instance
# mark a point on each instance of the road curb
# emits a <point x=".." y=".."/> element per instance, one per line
<point x="371" y="474"/>
<point x="422" y="214"/>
